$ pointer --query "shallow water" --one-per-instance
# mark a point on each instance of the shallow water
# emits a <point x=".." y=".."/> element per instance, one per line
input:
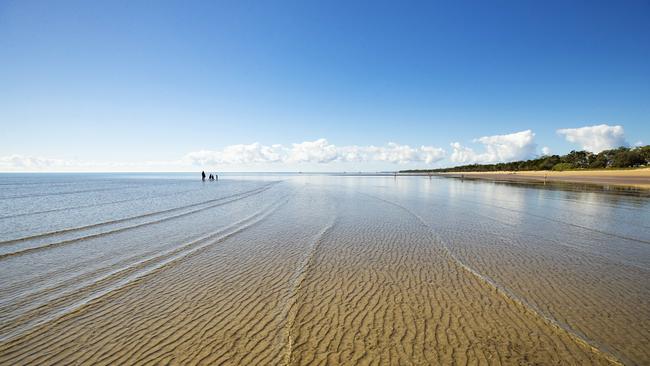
<point x="309" y="269"/>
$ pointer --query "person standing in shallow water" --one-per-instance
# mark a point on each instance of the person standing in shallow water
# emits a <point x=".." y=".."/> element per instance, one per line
<point x="203" y="176"/>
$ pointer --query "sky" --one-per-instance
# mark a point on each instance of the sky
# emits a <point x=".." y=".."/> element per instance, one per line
<point x="317" y="85"/>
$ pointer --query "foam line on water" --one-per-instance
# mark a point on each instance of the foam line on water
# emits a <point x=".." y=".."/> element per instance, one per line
<point x="130" y="218"/>
<point x="555" y="220"/>
<point x="560" y="222"/>
<point x="94" y="205"/>
<point x="560" y="243"/>
<point x="109" y="232"/>
<point x="62" y="193"/>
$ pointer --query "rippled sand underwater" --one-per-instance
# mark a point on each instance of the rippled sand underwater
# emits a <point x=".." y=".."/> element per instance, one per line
<point x="307" y="270"/>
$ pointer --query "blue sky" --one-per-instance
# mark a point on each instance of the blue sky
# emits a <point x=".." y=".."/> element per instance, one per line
<point x="141" y="85"/>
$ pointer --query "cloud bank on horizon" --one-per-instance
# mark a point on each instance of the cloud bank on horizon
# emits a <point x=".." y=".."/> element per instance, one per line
<point x="497" y="148"/>
<point x="319" y="151"/>
<point x="21" y="163"/>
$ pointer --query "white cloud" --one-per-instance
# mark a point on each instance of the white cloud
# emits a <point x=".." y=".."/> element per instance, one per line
<point x="21" y="163"/>
<point x="319" y="151"/>
<point x="546" y="150"/>
<point x="316" y="152"/>
<point x="462" y="154"/>
<point x="498" y="148"/>
<point x="595" y="138"/>
<point x="30" y="163"/>
<point x="238" y="154"/>
<point x="241" y="156"/>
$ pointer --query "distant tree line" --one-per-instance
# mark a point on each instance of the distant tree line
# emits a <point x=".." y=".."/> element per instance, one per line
<point x="623" y="157"/>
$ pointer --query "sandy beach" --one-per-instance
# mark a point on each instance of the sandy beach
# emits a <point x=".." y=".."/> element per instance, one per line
<point x="261" y="183"/>
<point x="328" y="270"/>
<point x="639" y="178"/>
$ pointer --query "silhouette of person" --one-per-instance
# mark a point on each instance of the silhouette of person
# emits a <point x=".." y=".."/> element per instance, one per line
<point x="216" y="177"/>
<point x="203" y="176"/>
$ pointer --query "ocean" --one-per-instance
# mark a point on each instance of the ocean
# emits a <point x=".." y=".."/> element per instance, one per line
<point x="320" y="268"/>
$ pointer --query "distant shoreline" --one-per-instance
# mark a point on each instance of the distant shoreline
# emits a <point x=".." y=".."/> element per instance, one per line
<point x="638" y="178"/>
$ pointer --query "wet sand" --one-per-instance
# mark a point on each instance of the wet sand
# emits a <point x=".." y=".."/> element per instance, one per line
<point x="639" y="178"/>
<point x="365" y="271"/>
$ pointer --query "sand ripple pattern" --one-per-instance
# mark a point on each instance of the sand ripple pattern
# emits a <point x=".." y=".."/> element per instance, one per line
<point x="325" y="271"/>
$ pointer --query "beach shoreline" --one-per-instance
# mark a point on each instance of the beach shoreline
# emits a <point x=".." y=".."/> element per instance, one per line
<point x="637" y="178"/>
<point x="320" y="268"/>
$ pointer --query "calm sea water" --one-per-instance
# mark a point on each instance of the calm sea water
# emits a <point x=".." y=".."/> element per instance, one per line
<point x="67" y="239"/>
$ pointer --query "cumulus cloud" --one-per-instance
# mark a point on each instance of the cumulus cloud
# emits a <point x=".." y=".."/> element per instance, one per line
<point x="238" y="154"/>
<point x="595" y="138"/>
<point x="546" y="150"/>
<point x="319" y="151"/>
<point x="498" y="148"/>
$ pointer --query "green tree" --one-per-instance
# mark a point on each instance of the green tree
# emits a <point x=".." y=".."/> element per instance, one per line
<point x="644" y="151"/>
<point x="624" y="159"/>
<point x="621" y="157"/>
<point x="599" y="162"/>
<point x="562" y="166"/>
